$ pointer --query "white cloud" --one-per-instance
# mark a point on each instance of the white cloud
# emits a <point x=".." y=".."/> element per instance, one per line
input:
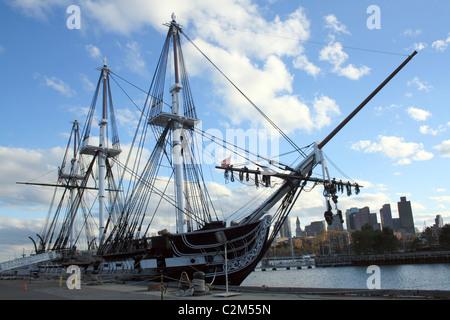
<point x="94" y="52"/>
<point x="354" y="73"/>
<point x="38" y="8"/>
<point x="419" y="84"/>
<point x="301" y="62"/>
<point x="2" y="49"/>
<point x="394" y="148"/>
<point x="246" y="45"/>
<point x="441" y="198"/>
<point x="56" y="84"/>
<point x="444" y="148"/>
<point x="324" y="108"/>
<point x="14" y="235"/>
<point x="86" y="83"/>
<point x="425" y="129"/>
<point x="334" y="54"/>
<point x="134" y="60"/>
<point x="59" y="86"/>
<point x="418" y="114"/>
<point x="332" y="23"/>
<point x="270" y="88"/>
<point x="420" y="46"/>
<point x="441" y="45"/>
<point x="411" y="33"/>
<point x="20" y="165"/>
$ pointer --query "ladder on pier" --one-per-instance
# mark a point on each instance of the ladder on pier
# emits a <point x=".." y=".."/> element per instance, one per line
<point x="28" y="261"/>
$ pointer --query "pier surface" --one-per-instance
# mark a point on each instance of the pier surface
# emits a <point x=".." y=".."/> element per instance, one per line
<point x="24" y="289"/>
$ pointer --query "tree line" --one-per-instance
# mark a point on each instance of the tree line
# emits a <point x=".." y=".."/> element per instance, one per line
<point x="367" y="240"/>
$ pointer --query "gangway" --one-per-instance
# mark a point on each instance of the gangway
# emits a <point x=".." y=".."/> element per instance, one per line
<point x="30" y="260"/>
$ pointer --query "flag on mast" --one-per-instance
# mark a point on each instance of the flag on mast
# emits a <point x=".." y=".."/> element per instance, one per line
<point x="226" y="162"/>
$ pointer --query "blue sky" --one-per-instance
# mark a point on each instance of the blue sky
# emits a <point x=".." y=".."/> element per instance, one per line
<point x="300" y="61"/>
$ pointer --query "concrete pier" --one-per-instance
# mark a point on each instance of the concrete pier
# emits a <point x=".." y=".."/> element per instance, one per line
<point x="54" y="290"/>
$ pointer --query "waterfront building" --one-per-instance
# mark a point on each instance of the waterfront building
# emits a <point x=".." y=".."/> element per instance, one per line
<point x="406" y="217"/>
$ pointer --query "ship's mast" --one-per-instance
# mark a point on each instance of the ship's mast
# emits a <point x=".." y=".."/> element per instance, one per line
<point x="102" y="158"/>
<point x="102" y="151"/>
<point x="73" y="179"/>
<point x="177" y="156"/>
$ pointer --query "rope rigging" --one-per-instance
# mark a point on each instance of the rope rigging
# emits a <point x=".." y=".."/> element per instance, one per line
<point x="289" y="140"/>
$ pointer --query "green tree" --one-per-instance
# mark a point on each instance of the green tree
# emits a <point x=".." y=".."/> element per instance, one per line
<point x="429" y="237"/>
<point x="444" y="236"/>
<point x="363" y="240"/>
<point x="367" y="240"/>
<point x="416" y="244"/>
<point x="389" y="242"/>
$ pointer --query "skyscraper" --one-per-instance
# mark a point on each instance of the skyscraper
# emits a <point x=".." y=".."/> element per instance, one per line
<point x="362" y="217"/>
<point x="298" y="229"/>
<point x="349" y="218"/>
<point x="406" y="217"/>
<point x="386" y="216"/>
<point x="438" y="221"/>
<point x="285" y="231"/>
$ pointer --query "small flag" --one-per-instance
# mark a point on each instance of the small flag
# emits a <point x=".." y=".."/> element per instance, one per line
<point x="226" y="162"/>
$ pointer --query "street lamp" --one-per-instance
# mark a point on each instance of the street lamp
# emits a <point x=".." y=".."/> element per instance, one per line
<point x="222" y="238"/>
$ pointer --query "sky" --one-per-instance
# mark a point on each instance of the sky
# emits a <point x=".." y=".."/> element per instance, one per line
<point x="306" y="64"/>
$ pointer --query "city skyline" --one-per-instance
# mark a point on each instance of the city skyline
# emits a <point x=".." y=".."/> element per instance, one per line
<point x="409" y="227"/>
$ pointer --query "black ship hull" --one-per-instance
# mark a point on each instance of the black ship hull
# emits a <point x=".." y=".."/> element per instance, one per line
<point x="170" y="255"/>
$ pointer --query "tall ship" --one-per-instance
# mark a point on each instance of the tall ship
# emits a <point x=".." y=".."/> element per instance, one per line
<point x="107" y="199"/>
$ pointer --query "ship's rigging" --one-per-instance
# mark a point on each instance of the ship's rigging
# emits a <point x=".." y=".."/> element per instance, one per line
<point x="132" y="189"/>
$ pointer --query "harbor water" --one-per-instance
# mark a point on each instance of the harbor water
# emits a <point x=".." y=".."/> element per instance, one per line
<point x="406" y="276"/>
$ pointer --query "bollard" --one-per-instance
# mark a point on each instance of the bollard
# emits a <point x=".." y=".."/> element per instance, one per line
<point x="199" y="284"/>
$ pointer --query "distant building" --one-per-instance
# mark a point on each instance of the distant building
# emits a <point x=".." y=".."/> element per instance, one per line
<point x="336" y="225"/>
<point x="298" y="229"/>
<point x="315" y="228"/>
<point x="396" y="223"/>
<point x="357" y="218"/>
<point x="285" y="231"/>
<point x="437" y="226"/>
<point x="386" y="216"/>
<point x="406" y="217"/>
<point x="349" y="218"/>
<point x="362" y="217"/>
<point x="439" y="223"/>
